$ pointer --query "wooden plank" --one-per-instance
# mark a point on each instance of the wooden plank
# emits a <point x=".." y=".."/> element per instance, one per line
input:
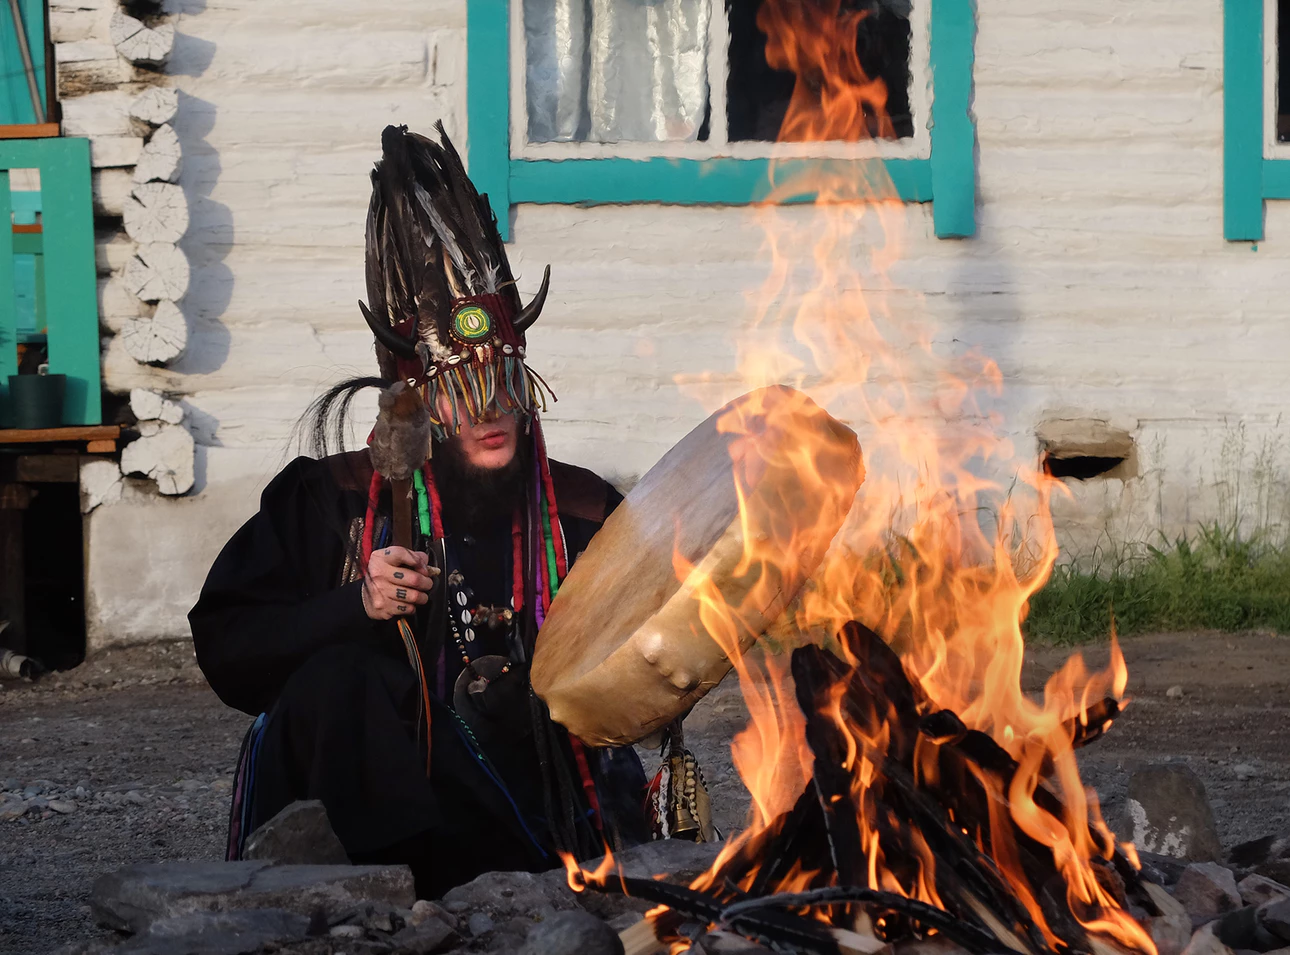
<point x="71" y="288"/>
<point x="488" y="97"/>
<point x="8" y="302"/>
<point x="33" y="228"/>
<point x="100" y="432"/>
<point x="100" y="447"/>
<point x="953" y="38"/>
<point x="29" y="131"/>
<point x="1243" y="119"/>
<point x="48" y="468"/>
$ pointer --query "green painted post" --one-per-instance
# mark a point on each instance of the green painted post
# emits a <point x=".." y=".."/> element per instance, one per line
<point x="8" y="301"/>
<point x="71" y="291"/>
<point x="1243" y="119"/>
<point x="953" y="40"/>
<point x="488" y="102"/>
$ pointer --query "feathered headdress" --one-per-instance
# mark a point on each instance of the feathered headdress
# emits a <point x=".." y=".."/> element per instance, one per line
<point x="444" y="307"/>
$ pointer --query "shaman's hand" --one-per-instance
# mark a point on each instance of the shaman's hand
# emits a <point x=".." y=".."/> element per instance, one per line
<point x="397" y="581"/>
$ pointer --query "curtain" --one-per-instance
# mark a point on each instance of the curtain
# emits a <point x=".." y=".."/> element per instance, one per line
<point x="609" y="71"/>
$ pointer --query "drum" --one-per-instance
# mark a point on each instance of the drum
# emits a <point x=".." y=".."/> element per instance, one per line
<point x="719" y="535"/>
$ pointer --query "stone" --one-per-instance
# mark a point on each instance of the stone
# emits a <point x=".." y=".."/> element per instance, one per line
<point x="1244" y="771"/>
<point x="1204" y="942"/>
<point x="727" y="943"/>
<point x="506" y="895"/>
<point x="677" y="860"/>
<point x="1167" y="812"/>
<point x="431" y="934"/>
<point x="1207" y="890"/>
<point x="346" y="931"/>
<point x="424" y="910"/>
<point x="133" y="898"/>
<point x="1175" y="692"/>
<point x="1275" y="917"/>
<point x="62" y="806"/>
<point x="301" y="834"/>
<point x="1257" y="889"/>
<point x="572" y="933"/>
<point x="479" y="923"/>
<point x="217" y="933"/>
<point x="11" y="809"/>
<point x="1170" y="934"/>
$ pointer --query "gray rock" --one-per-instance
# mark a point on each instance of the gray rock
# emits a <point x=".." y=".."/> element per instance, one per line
<point x="217" y="933"/>
<point x="431" y="934"/>
<point x="1170" y="934"/>
<point x="346" y="931"/>
<point x="507" y="895"/>
<point x="62" y="806"/>
<point x="1166" y="812"/>
<point x="11" y="809"/>
<point x="1257" y="889"/>
<point x="1207" y="890"/>
<point x="424" y="909"/>
<point x="1204" y="942"/>
<point x="1275" y="917"/>
<point x="1241" y="930"/>
<point x="300" y="834"/>
<point x="133" y="898"/>
<point x="479" y="923"/>
<point x="572" y="933"/>
<point x="726" y="943"/>
<point x="676" y="859"/>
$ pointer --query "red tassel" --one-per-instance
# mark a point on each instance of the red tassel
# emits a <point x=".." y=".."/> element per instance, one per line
<point x="436" y="507"/>
<point x="557" y="532"/>
<point x="369" y="522"/>
<point x="588" y="784"/>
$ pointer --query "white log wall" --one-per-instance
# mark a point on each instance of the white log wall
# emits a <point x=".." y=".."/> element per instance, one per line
<point x="1099" y="279"/>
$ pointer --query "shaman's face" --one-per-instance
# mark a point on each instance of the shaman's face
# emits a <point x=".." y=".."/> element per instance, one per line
<point x="489" y="445"/>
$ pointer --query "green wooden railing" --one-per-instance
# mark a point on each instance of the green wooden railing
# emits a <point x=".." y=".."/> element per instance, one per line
<point x="47" y="280"/>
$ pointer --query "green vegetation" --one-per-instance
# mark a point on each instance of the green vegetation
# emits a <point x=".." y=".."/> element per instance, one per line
<point x="1218" y="579"/>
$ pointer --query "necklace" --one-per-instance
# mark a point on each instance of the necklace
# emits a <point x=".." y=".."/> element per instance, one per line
<point x="462" y="620"/>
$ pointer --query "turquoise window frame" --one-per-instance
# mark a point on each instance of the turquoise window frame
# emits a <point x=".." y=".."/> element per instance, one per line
<point x="1249" y="179"/>
<point x="947" y="178"/>
<point x="15" y="96"/>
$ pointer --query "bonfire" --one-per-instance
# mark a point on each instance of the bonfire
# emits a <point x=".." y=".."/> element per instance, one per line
<point x="905" y="790"/>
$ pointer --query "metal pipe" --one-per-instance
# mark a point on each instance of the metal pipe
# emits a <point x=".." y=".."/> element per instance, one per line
<point x="24" y="50"/>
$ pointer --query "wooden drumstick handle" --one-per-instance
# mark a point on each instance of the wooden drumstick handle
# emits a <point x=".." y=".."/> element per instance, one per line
<point x="403" y="502"/>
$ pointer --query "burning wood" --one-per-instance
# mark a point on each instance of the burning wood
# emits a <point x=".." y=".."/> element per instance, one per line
<point x="907" y="832"/>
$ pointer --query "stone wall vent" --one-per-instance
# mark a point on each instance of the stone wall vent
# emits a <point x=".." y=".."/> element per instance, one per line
<point x="1084" y="449"/>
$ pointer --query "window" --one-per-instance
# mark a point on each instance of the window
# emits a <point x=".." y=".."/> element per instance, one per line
<point x="683" y="101"/>
<point x="591" y="83"/>
<point x="23" y="93"/>
<point x="1256" y="112"/>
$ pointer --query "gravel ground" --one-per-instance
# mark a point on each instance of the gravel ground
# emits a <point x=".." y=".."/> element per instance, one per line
<point x="129" y="758"/>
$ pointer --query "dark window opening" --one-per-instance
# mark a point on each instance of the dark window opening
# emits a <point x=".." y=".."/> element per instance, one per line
<point x="1080" y="467"/>
<point x="758" y="95"/>
<point x="1283" y="73"/>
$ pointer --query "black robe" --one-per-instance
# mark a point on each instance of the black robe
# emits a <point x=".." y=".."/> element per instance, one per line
<point x="277" y="631"/>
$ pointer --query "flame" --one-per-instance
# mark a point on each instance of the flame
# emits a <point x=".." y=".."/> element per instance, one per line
<point x="579" y="878"/>
<point x="949" y="537"/>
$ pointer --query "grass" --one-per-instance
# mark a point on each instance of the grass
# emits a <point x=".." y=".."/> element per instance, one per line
<point x="1216" y="580"/>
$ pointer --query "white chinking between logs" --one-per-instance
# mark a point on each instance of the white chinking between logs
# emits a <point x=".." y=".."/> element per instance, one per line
<point x="108" y="84"/>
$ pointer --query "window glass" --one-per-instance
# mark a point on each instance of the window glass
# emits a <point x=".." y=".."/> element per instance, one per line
<point x="758" y="93"/>
<point x="685" y="71"/>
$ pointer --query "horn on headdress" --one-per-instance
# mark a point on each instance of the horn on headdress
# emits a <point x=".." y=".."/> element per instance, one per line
<point x="396" y="343"/>
<point x="530" y="312"/>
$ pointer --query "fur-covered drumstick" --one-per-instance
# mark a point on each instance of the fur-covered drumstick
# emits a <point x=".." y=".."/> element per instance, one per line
<point x="400" y="445"/>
